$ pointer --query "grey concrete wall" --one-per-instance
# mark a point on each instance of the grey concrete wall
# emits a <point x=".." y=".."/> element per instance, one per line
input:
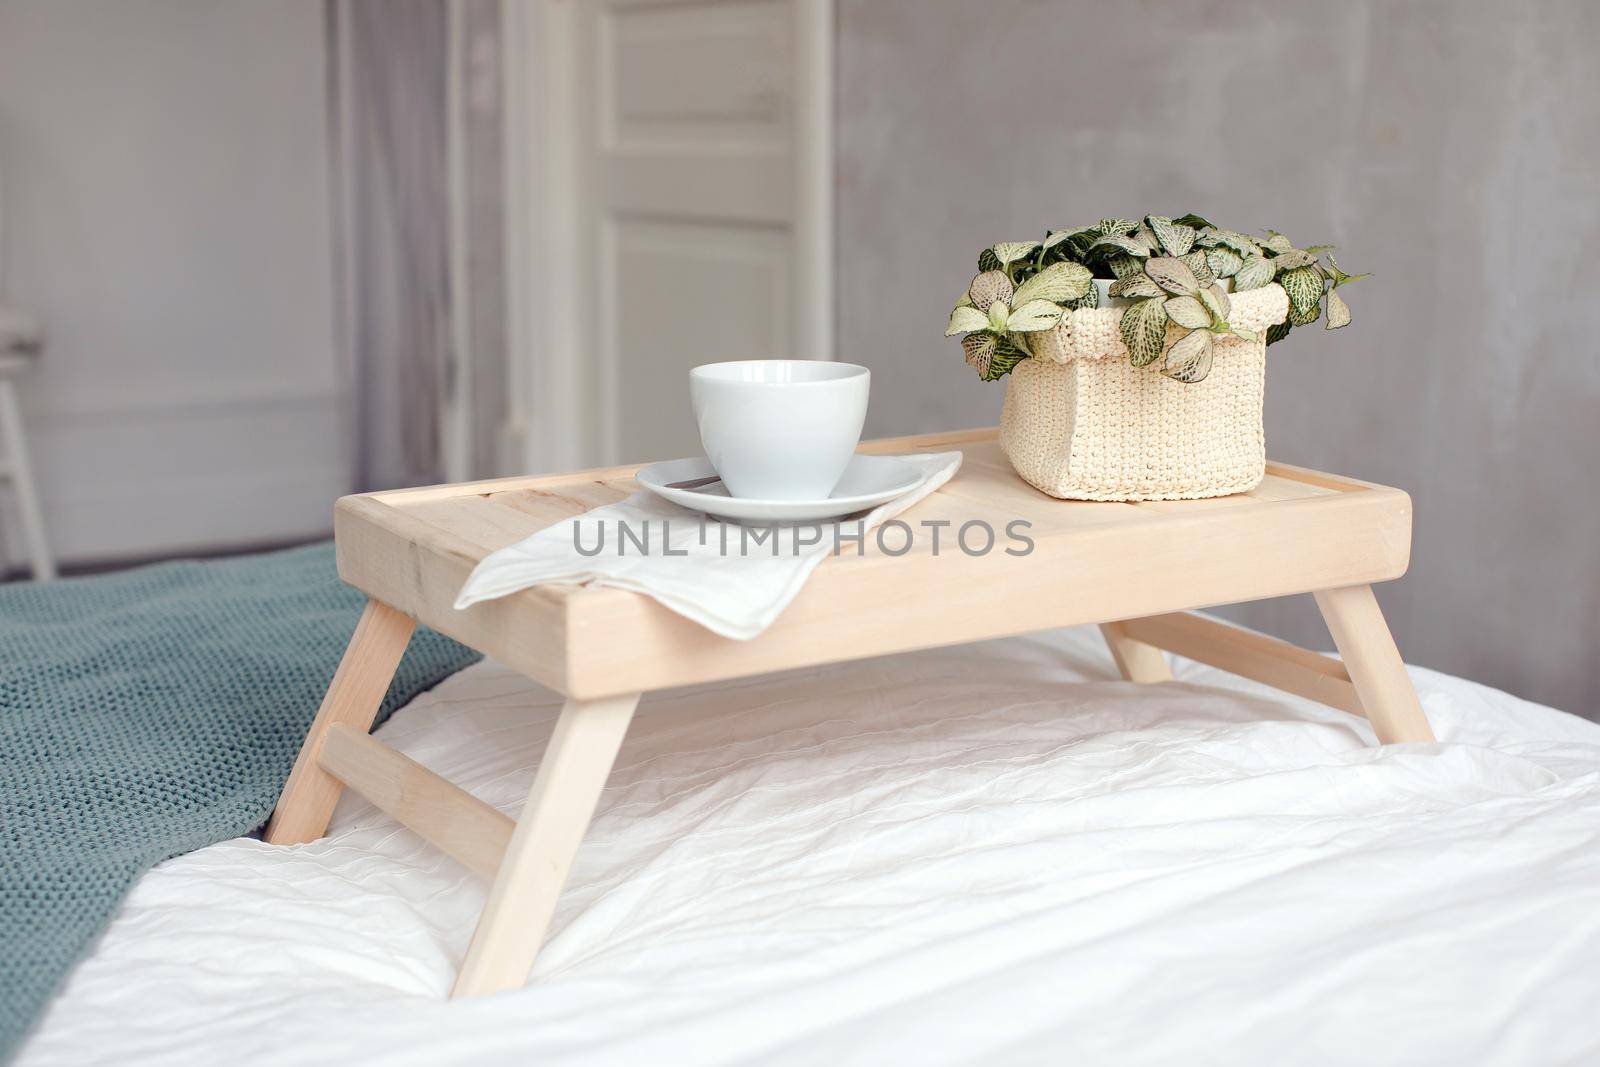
<point x="1453" y="149"/>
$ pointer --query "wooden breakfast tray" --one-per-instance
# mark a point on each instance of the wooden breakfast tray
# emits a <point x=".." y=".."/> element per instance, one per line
<point x="1134" y="568"/>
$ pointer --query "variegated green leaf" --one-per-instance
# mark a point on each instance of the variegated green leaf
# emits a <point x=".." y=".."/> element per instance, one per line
<point x="1224" y="262"/>
<point x="1276" y="242"/>
<point x="1060" y="252"/>
<point x="1090" y="299"/>
<point x="1034" y="315"/>
<point x="1189" y="360"/>
<point x="1007" y="354"/>
<point x="987" y="260"/>
<point x="1188" y="312"/>
<point x="1194" y="222"/>
<point x="1253" y="274"/>
<point x="1173" y="275"/>
<point x="1125" y="266"/>
<point x="1116" y="226"/>
<point x="1059" y="282"/>
<point x="1338" y="311"/>
<point x="1240" y="243"/>
<point x="1216" y="302"/>
<point x="1197" y="262"/>
<point x="1136" y="285"/>
<point x="1293" y="259"/>
<point x="1122" y="243"/>
<point x="1078" y="244"/>
<point x="1147" y="237"/>
<point x="988" y="287"/>
<point x="1144" y="330"/>
<point x="966" y="320"/>
<point x="999" y="315"/>
<point x="979" y="349"/>
<point x="1339" y="276"/>
<point x="1011" y="251"/>
<point x="1277" y="332"/>
<point x="1242" y="333"/>
<point x="1176" y="239"/>
<point x="1055" y="237"/>
<point x="1305" y="295"/>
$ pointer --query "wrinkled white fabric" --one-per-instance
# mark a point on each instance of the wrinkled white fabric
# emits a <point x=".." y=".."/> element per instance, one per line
<point x="992" y="854"/>
<point x="699" y="567"/>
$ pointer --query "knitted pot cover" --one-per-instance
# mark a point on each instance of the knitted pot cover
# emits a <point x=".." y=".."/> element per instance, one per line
<point x="1082" y="423"/>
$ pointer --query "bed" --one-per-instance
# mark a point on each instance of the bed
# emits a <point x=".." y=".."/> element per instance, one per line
<point x="988" y="854"/>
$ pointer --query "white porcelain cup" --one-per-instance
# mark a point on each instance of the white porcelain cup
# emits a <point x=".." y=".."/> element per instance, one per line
<point x="780" y="429"/>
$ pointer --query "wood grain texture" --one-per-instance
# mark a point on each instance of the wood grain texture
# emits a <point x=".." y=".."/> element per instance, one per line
<point x="553" y="821"/>
<point x="1250" y="655"/>
<point x="1136" y="661"/>
<point x="1090" y="563"/>
<point x="352" y="700"/>
<point x="418" y="566"/>
<point x="1376" y="669"/>
<point x="468" y="830"/>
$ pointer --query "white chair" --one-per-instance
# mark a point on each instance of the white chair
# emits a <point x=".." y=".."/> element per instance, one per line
<point x="20" y="342"/>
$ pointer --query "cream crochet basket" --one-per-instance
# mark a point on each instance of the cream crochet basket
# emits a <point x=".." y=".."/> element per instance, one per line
<point x="1082" y="423"/>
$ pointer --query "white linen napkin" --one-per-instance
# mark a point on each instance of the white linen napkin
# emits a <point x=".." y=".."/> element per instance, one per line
<point x="684" y="564"/>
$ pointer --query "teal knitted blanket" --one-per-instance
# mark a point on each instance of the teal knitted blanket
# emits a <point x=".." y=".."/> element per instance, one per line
<point x="146" y="714"/>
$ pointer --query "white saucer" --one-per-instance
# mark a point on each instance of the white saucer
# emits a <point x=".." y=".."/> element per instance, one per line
<point x="867" y="481"/>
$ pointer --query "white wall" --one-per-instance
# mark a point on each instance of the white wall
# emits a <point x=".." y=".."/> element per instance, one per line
<point x="166" y="212"/>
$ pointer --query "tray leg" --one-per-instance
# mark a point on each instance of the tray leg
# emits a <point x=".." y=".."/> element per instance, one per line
<point x="358" y="687"/>
<point x="534" y="868"/>
<point x="1376" y="670"/>
<point x="1137" y="661"/>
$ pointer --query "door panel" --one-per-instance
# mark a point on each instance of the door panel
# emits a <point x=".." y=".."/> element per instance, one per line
<point x="715" y="73"/>
<point x="658" y="185"/>
<point x="688" y="160"/>
<point x="691" y="293"/>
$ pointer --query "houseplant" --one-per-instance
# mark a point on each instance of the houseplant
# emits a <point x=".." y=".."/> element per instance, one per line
<point x="1135" y="352"/>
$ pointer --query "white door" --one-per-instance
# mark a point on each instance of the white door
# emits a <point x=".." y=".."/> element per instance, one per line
<point x="696" y="143"/>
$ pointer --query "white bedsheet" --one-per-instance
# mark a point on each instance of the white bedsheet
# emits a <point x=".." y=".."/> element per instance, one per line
<point x="949" y="857"/>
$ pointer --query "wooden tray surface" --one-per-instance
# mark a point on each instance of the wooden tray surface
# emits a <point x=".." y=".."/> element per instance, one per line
<point x="1300" y="530"/>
